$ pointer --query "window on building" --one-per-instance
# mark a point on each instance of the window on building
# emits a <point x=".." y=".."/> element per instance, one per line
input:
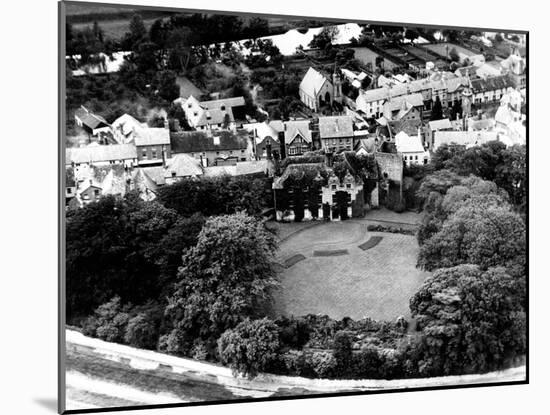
<point x="348" y="185"/>
<point x="333" y="187"/>
<point x="154" y="154"/>
<point x="96" y="192"/>
<point x="85" y="197"/>
<point x="173" y="174"/>
<point x="144" y="153"/>
<point x="416" y="157"/>
<point x="69" y="190"/>
<point x="242" y="151"/>
<point x="222" y="107"/>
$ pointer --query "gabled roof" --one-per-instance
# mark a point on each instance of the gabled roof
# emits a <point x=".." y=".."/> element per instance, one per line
<point x="198" y="141"/>
<point x="335" y="126"/>
<point x="182" y="165"/>
<point x="126" y="124"/>
<point x="89" y="119"/>
<point x="217" y="104"/>
<point x="313" y="82"/>
<point x="367" y="144"/>
<point x="396" y="103"/>
<point x="151" y="136"/>
<point x="114" y="183"/>
<point x="294" y="128"/>
<point x="261" y="130"/>
<point x="408" y="144"/>
<point x="187" y="88"/>
<point x="142" y="182"/>
<point x="442" y="124"/>
<point x="100" y="153"/>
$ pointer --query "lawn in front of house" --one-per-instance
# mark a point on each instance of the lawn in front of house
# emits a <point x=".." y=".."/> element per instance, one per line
<point x="375" y="283"/>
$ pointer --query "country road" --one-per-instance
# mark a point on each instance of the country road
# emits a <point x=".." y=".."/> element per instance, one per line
<point x="102" y="374"/>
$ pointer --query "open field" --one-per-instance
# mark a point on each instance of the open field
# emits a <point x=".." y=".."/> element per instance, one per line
<point x="377" y="282"/>
<point x="440" y="49"/>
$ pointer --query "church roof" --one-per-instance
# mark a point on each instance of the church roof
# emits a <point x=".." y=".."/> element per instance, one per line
<point x="313" y="82"/>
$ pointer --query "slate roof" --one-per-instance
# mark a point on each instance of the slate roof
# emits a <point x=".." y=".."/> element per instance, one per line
<point x="143" y="182"/>
<point x="187" y="88"/>
<point x="491" y="84"/>
<point x="408" y="144"/>
<point x="151" y="136"/>
<point x="298" y="170"/>
<point x="89" y="119"/>
<point x="198" y="141"/>
<point x="335" y="126"/>
<point x="442" y="124"/>
<point x="414" y="100"/>
<point x="215" y="116"/>
<point x="182" y="165"/>
<point x="100" y="153"/>
<point x="126" y="124"/>
<point x="312" y="82"/>
<point x="293" y="128"/>
<point x="216" y="104"/>
<point x="261" y="130"/>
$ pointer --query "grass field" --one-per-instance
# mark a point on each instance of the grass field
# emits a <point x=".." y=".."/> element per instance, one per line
<point x="376" y="283"/>
<point x="440" y="49"/>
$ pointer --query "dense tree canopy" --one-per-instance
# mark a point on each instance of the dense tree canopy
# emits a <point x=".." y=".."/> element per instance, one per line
<point x="226" y="277"/>
<point x="472" y="320"/>
<point x="120" y="247"/>
<point x="483" y="231"/>
<point x="250" y="347"/>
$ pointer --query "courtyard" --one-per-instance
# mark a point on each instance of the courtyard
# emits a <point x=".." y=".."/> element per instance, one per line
<point x="343" y="270"/>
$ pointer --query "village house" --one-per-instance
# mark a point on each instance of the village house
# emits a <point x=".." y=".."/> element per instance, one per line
<point x="101" y="155"/>
<point x="242" y="168"/>
<point x="91" y="123"/>
<point x="336" y="133"/>
<point x="267" y="137"/>
<point x="152" y="145"/>
<point x="516" y="68"/>
<point x="406" y="107"/>
<point x="211" y="115"/>
<point x="298" y="137"/>
<point x="181" y="166"/>
<point x="317" y="90"/>
<point x="446" y="86"/>
<point x="436" y="125"/>
<point x="411" y="148"/>
<point x="123" y="128"/>
<point x="490" y="89"/>
<point x="221" y="148"/>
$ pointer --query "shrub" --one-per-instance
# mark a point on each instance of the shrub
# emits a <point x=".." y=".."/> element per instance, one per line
<point x="323" y="363"/>
<point x="109" y="321"/>
<point x="250" y="347"/>
<point x="142" y="331"/>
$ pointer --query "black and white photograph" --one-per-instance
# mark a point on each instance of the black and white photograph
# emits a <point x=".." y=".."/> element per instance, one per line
<point x="257" y="207"/>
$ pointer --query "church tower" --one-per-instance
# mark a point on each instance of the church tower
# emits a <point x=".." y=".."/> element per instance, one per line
<point x="337" y="87"/>
<point x="467" y="97"/>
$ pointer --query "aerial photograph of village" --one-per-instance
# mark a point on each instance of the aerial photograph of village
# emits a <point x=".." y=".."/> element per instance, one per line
<point x="266" y="206"/>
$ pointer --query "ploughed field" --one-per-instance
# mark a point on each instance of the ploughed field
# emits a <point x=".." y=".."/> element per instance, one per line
<point x="343" y="270"/>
